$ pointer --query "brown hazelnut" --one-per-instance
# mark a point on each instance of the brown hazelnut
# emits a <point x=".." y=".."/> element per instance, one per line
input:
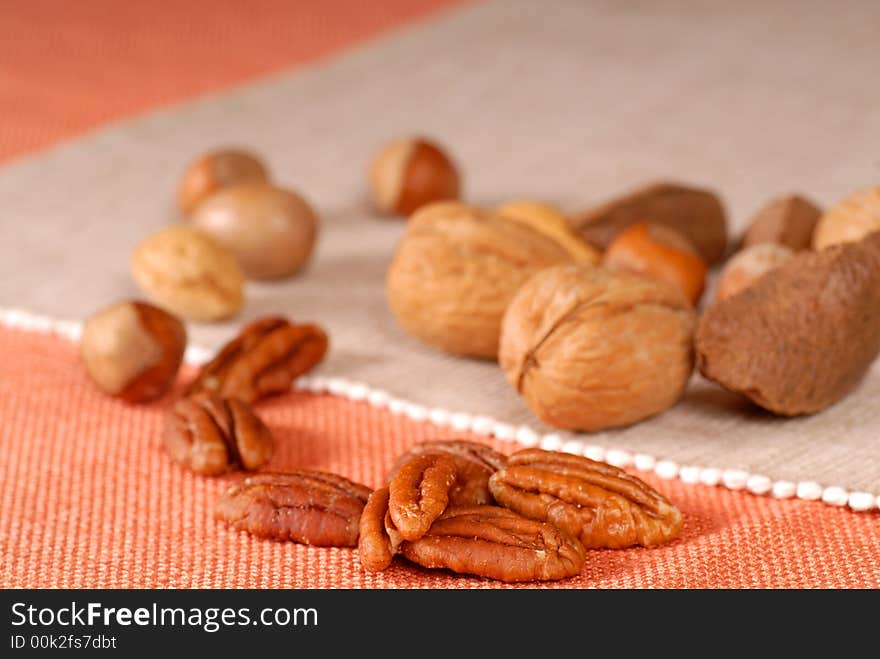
<point x="189" y="273"/>
<point x="409" y="173"/>
<point x="659" y="251"/>
<point x="457" y="267"/>
<point x="132" y="350"/>
<point x="850" y="220"/>
<point x="214" y="171"/>
<point x="749" y="265"/>
<point x="696" y="214"/>
<point x="788" y="221"/>
<point x="270" y="231"/>
<point x="589" y="349"/>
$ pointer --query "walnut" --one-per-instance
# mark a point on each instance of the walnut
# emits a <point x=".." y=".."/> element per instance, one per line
<point x="457" y="267"/>
<point x="590" y="349"/>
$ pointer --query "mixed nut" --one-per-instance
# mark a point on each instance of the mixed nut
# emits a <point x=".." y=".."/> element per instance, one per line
<point x="594" y="319"/>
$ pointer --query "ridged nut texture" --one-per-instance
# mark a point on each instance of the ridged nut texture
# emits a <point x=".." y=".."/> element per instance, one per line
<point x="263" y="360"/>
<point x="189" y="273"/>
<point x="590" y="349"/>
<point x="308" y="507"/>
<point x="601" y="505"/>
<point x="456" y="269"/>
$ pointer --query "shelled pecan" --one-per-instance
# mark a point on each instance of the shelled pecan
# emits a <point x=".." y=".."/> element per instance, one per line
<point x="264" y="359"/>
<point x="309" y="507"/>
<point x="474" y="463"/>
<point x="378" y="540"/>
<point x="211" y="435"/>
<point x="419" y="493"/>
<point x="489" y="541"/>
<point x="600" y="504"/>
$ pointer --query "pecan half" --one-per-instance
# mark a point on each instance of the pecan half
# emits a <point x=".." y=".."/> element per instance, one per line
<point x="212" y="435"/>
<point x="489" y="541"/>
<point x="264" y="359"/>
<point x="379" y="539"/>
<point x="309" y="507"/>
<point x="474" y="463"/>
<point x="601" y="505"/>
<point x="419" y="493"/>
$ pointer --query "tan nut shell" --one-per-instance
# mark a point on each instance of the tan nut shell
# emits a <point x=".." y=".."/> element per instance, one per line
<point x="189" y="274"/>
<point x="850" y="220"/>
<point x="270" y="230"/>
<point x="590" y="349"/>
<point x="455" y="270"/>
<point x="553" y="223"/>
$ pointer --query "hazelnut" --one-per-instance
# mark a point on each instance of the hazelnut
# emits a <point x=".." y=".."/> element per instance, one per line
<point x="696" y="214"/>
<point x="214" y="171"/>
<point x="749" y="265"/>
<point x="132" y="350"/>
<point x="457" y="267"/>
<point x="589" y="349"/>
<point x="409" y="173"/>
<point x="850" y="220"/>
<point x="271" y="231"/>
<point x="188" y="273"/>
<point x="659" y="251"/>
<point x="788" y="221"/>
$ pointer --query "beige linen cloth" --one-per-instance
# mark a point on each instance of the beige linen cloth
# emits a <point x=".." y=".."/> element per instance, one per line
<point x="570" y="102"/>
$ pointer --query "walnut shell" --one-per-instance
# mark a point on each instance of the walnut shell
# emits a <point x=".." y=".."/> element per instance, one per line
<point x="590" y="349"/>
<point x="457" y="267"/>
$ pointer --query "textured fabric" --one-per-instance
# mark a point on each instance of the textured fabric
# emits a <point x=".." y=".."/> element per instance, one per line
<point x="91" y="499"/>
<point x="572" y="104"/>
<point x="88" y="496"/>
<point x="69" y="66"/>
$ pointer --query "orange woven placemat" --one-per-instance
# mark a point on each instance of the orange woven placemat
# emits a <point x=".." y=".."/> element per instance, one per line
<point x="87" y="496"/>
<point x="90" y="499"/>
<point x="66" y="67"/>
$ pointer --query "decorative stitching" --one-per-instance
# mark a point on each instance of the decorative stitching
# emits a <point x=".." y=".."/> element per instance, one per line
<point x="732" y="479"/>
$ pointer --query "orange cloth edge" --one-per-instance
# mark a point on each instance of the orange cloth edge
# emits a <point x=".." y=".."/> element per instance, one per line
<point x="91" y="499"/>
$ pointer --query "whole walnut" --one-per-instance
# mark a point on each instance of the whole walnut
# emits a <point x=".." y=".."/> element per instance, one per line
<point x="590" y="349"/>
<point x="457" y="267"/>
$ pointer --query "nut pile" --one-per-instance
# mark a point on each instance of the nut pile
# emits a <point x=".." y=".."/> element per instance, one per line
<point x="462" y="506"/>
<point x="595" y="319"/>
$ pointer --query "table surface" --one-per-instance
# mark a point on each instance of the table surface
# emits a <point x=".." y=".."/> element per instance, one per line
<point x="90" y="498"/>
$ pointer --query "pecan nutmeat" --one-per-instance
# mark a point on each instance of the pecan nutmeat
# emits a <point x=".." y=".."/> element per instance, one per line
<point x="419" y="493"/>
<point x="601" y="505"/>
<point x="263" y="360"/>
<point x="309" y="507"/>
<point x="379" y="539"/>
<point x="490" y="541"/>
<point x="474" y="463"/>
<point x="211" y="435"/>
